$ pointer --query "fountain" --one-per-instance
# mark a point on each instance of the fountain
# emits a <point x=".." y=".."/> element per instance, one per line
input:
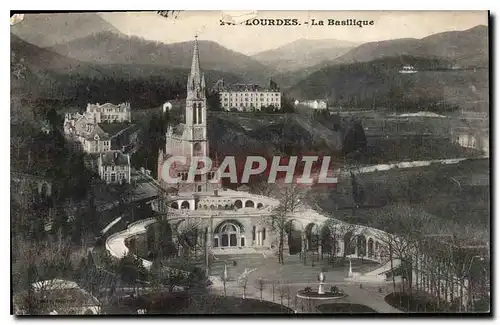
<point x="321" y="279"/>
<point x="309" y="297"/>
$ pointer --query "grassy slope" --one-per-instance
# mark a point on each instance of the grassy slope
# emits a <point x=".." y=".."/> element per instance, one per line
<point x="379" y="82"/>
<point x="431" y="188"/>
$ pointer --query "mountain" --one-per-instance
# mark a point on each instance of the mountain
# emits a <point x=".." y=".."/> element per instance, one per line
<point x="303" y="53"/>
<point x="379" y="83"/>
<point x="45" y="30"/>
<point x="33" y="68"/>
<point x="43" y="78"/>
<point x="468" y="48"/>
<point x="111" y="48"/>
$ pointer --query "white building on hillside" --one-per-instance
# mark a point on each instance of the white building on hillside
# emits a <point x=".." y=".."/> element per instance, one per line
<point x="247" y="97"/>
<point x="110" y="113"/>
<point x="114" y="167"/>
<point x="472" y="138"/>
<point x="314" y="104"/>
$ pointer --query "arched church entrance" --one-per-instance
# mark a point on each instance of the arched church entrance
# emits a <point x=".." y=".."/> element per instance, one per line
<point x="227" y="234"/>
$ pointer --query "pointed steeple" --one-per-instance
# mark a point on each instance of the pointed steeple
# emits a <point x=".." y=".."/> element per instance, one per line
<point x="195" y="85"/>
<point x="195" y="64"/>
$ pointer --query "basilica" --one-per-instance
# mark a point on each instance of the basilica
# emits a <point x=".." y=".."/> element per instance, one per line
<point x="234" y="220"/>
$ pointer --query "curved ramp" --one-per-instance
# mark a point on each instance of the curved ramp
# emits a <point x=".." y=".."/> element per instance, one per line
<point x="115" y="244"/>
<point x="377" y="275"/>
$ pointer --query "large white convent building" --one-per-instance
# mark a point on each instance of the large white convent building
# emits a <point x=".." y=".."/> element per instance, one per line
<point x="247" y="97"/>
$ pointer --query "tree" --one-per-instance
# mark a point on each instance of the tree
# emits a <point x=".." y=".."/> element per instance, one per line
<point x="260" y="285"/>
<point x="160" y="240"/>
<point x="213" y="101"/>
<point x="131" y="270"/>
<point x="188" y="234"/>
<point x="451" y="259"/>
<point x="38" y="268"/>
<point x="260" y="186"/>
<point x="290" y="198"/>
<point x="403" y="228"/>
<point x="340" y="231"/>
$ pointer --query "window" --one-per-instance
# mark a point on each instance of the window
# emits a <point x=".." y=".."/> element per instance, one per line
<point x="113" y="177"/>
<point x="228" y="228"/>
<point x="199" y="188"/>
<point x="253" y="232"/>
<point x="263" y="233"/>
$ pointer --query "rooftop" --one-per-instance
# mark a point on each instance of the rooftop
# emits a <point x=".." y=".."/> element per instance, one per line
<point x="114" y="158"/>
<point x="248" y="87"/>
<point x="114" y="128"/>
<point x="125" y="105"/>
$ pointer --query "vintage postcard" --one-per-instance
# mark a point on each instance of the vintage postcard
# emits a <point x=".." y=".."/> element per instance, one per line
<point x="253" y="162"/>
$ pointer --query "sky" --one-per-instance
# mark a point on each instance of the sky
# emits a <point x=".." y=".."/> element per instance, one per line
<point x="253" y="39"/>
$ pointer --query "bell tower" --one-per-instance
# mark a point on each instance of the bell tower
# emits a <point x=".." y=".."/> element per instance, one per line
<point x="189" y="139"/>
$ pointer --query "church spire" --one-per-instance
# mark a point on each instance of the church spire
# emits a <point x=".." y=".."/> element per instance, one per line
<point x="195" y="64"/>
<point x="195" y="86"/>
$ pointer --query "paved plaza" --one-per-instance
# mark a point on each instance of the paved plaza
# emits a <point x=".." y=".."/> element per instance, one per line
<point x="294" y="276"/>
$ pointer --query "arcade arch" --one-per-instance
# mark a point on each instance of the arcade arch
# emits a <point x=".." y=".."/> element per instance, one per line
<point x="312" y="233"/>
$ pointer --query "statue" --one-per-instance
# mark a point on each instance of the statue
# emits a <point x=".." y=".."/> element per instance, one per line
<point x="321" y="279"/>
